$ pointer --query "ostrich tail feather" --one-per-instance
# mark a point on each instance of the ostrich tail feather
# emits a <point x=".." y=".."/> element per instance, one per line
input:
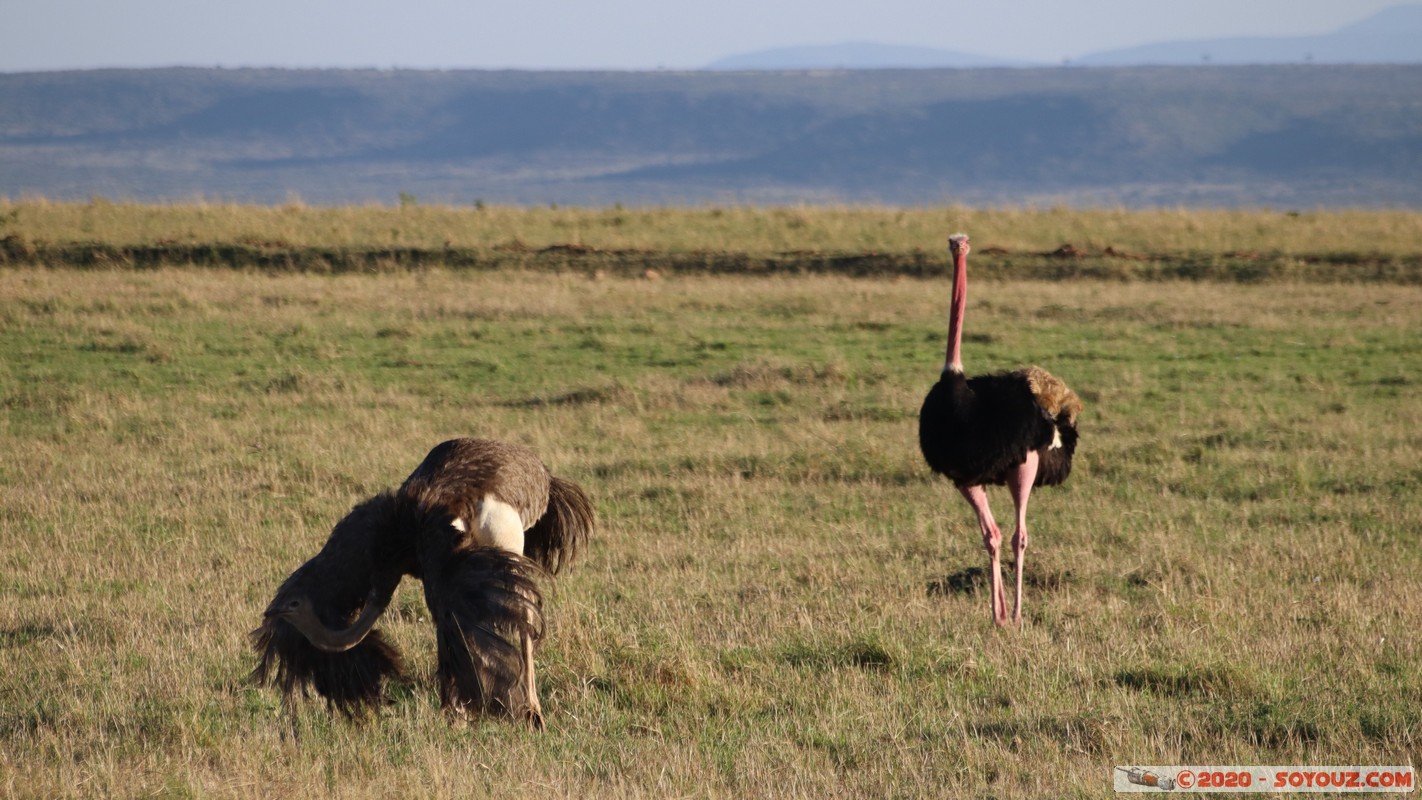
<point x="563" y="531"/>
<point x="1055" y="466"/>
<point x="1052" y="394"/>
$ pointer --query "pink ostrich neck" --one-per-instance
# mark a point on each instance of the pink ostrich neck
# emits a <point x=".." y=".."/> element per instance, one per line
<point x="959" y="304"/>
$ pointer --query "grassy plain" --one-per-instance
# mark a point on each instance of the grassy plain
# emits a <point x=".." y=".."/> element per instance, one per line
<point x="1022" y="243"/>
<point x="747" y="229"/>
<point x="781" y="598"/>
<point x="750" y="230"/>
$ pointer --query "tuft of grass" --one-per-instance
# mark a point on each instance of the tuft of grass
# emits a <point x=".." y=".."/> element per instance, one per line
<point x="862" y="652"/>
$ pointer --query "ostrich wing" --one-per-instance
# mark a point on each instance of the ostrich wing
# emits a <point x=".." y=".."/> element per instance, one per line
<point x="488" y="614"/>
<point x="361" y="560"/>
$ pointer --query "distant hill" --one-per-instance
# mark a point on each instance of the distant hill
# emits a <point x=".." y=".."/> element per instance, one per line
<point x="1392" y="36"/>
<point x="858" y="55"/>
<point x="1295" y="136"/>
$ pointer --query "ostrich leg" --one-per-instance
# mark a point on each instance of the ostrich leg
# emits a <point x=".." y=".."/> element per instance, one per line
<point x="992" y="540"/>
<point x="1019" y="483"/>
<point x="535" y="709"/>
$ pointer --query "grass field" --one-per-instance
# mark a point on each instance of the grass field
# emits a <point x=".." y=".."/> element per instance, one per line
<point x="1029" y="244"/>
<point x="744" y="229"/>
<point x="781" y="599"/>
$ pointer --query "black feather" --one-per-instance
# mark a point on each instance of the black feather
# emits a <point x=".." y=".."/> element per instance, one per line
<point x="977" y="430"/>
<point x="363" y="555"/>
<point x="486" y="603"/>
<point x="352" y="682"/>
<point x="1055" y="464"/>
<point x="563" y="530"/>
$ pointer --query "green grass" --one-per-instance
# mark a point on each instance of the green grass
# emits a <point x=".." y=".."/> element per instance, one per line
<point x="781" y="598"/>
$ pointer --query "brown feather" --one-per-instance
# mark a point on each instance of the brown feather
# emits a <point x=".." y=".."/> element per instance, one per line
<point x="564" y="529"/>
<point x="1052" y="394"/>
<point x="352" y="682"/>
<point x="458" y="474"/>
<point x="361" y="555"/>
<point x="486" y="603"/>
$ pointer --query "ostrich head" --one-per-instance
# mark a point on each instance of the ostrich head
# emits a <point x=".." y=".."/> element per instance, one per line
<point x="958" y="244"/>
<point x="298" y="609"/>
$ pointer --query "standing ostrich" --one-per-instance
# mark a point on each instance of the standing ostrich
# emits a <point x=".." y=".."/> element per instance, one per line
<point x="479" y="522"/>
<point x="1015" y="428"/>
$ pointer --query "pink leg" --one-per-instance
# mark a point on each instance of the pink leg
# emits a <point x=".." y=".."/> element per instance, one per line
<point x="1020" y="485"/>
<point x="992" y="540"/>
<point x="535" y="709"/>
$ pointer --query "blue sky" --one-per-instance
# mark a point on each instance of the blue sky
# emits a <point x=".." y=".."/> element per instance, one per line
<point x="613" y="34"/>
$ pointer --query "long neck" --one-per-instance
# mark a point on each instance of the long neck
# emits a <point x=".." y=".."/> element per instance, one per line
<point x="324" y="638"/>
<point x="958" y="305"/>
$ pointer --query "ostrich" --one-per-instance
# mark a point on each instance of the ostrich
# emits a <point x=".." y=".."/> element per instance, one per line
<point x="479" y="522"/>
<point x="1015" y="428"/>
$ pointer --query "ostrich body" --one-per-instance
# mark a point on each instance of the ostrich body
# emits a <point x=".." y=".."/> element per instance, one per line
<point x="480" y="522"/>
<point x="1014" y="428"/>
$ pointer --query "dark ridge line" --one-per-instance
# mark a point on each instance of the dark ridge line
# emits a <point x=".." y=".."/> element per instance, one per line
<point x="1067" y="262"/>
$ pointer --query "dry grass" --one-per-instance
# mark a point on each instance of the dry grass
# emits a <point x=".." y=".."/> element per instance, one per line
<point x="715" y="229"/>
<point x="781" y="599"/>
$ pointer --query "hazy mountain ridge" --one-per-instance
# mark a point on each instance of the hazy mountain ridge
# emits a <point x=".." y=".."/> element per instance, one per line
<point x="860" y="55"/>
<point x="1392" y="36"/>
<point x="1298" y="136"/>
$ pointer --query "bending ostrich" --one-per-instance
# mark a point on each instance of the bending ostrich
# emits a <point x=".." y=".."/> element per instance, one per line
<point x="1014" y="428"/>
<point x="479" y="522"/>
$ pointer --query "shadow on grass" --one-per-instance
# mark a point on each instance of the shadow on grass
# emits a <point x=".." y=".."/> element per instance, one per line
<point x="970" y="580"/>
<point x="577" y="397"/>
<point x="1085" y="733"/>
<point x="863" y="652"/>
<point x="25" y="634"/>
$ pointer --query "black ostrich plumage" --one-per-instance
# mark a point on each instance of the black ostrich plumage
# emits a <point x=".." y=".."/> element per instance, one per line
<point x="975" y="431"/>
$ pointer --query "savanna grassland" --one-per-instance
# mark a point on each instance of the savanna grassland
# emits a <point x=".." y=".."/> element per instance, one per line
<point x="781" y="599"/>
